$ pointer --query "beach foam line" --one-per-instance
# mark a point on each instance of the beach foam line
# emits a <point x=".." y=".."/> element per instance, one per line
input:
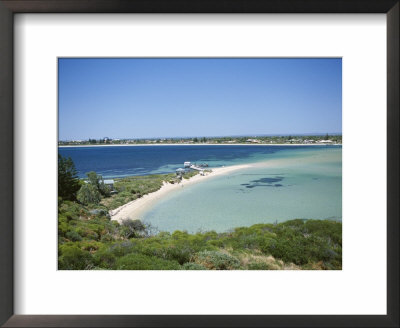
<point x="134" y="209"/>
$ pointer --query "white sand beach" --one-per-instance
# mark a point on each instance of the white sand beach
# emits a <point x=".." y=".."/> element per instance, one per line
<point x="134" y="209"/>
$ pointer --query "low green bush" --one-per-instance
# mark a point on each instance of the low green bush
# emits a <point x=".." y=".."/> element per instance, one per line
<point x="193" y="266"/>
<point x="260" y="266"/>
<point x="121" y="248"/>
<point x="216" y="260"/>
<point x="136" y="261"/>
<point x="132" y="229"/>
<point x="181" y="254"/>
<point x="73" y="258"/>
<point x="90" y="245"/>
<point x="63" y="226"/>
<point x="73" y="236"/>
<point x="88" y="194"/>
<point x="105" y="259"/>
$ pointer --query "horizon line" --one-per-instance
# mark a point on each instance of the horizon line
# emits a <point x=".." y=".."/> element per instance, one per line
<point x="211" y="136"/>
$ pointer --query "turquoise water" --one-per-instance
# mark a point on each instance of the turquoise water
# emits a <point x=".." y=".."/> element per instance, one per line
<point x="292" y="183"/>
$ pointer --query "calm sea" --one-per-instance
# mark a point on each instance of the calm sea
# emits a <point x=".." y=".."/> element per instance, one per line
<point x="121" y="161"/>
<point x="286" y="182"/>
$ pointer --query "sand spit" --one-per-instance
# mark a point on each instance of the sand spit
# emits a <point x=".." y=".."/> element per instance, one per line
<point x="134" y="209"/>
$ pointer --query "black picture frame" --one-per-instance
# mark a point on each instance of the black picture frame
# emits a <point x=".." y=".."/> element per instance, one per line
<point x="10" y="7"/>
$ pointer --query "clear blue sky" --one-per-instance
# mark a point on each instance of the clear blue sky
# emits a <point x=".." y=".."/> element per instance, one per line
<point x="142" y="98"/>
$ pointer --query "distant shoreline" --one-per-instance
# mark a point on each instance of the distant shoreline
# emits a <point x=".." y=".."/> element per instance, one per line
<point x="202" y="144"/>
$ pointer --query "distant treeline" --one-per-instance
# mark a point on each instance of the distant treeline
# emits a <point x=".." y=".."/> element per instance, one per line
<point x="336" y="139"/>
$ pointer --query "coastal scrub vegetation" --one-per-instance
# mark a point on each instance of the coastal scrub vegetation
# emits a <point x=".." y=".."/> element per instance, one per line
<point x="89" y="240"/>
<point x="134" y="187"/>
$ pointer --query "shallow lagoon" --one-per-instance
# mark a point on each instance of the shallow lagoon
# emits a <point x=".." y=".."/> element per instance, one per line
<point x="288" y="184"/>
<point x="284" y="182"/>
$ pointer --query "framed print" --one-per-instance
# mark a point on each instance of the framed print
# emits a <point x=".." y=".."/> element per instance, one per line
<point x="141" y="102"/>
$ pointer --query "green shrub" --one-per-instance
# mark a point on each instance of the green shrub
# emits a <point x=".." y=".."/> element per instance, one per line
<point x="90" y="245"/>
<point x="136" y="261"/>
<point x="107" y="237"/>
<point x="132" y="228"/>
<point x="71" y="210"/>
<point x="164" y="235"/>
<point x="87" y="233"/>
<point x="216" y="260"/>
<point x="193" y="266"/>
<point x="103" y="258"/>
<point x="121" y="248"/>
<point x="88" y="194"/>
<point x="181" y="254"/>
<point x="260" y="266"/>
<point x="73" y="258"/>
<point x="62" y="225"/>
<point x="73" y="235"/>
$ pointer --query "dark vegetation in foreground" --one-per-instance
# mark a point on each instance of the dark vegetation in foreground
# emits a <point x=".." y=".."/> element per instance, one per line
<point x="92" y="241"/>
<point x="89" y="240"/>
